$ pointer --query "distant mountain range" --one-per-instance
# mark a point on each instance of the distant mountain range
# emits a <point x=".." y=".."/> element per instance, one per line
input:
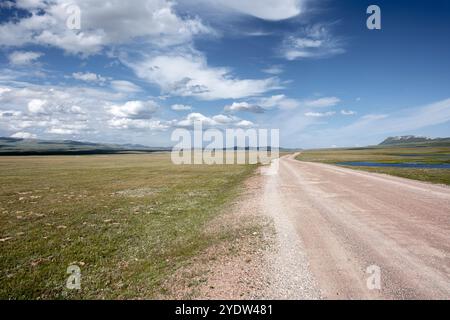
<point x="413" y="140"/>
<point x="17" y="146"/>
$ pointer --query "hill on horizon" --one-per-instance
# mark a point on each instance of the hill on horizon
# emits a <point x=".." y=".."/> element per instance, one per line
<point x="414" y="140"/>
<point x="19" y="146"/>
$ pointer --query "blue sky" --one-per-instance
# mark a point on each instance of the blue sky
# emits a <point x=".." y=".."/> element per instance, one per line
<point x="136" y="71"/>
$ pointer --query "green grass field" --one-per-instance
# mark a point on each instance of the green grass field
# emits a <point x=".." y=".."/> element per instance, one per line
<point x="128" y="221"/>
<point x="394" y="154"/>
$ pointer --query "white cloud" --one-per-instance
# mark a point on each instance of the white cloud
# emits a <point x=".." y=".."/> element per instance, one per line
<point x="278" y="101"/>
<point x="223" y="119"/>
<point x="321" y="102"/>
<point x="320" y="114"/>
<point x="125" y="86"/>
<point x="184" y="74"/>
<point x="373" y="128"/>
<point x="21" y="58"/>
<point x="348" y="112"/>
<point x="217" y="121"/>
<point x="134" y="109"/>
<point x="79" y="112"/>
<point x="245" y="124"/>
<point x="23" y="135"/>
<point x="67" y="128"/>
<point x="415" y="118"/>
<point x="196" y="117"/>
<point x="103" y="23"/>
<point x="274" y="70"/>
<point x="260" y="105"/>
<point x="88" y="77"/>
<point x="53" y="108"/>
<point x="263" y="9"/>
<point x="4" y="90"/>
<point x="243" y="106"/>
<point x="180" y="107"/>
<point x="311" y="42"/>
<point x="137" y="124"/>
<point x="37" y="106"/>
<point x="61" y="131"/>
<point x="30" y="4"/>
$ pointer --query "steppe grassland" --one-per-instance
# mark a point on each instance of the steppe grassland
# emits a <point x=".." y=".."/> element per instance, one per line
<point x="129" y="221"/>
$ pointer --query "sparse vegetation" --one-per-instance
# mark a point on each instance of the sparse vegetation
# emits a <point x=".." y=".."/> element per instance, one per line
<point x="128" y="221"/>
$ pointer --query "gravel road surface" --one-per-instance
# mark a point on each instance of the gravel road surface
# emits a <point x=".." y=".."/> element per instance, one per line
<point x="334" y="224"/>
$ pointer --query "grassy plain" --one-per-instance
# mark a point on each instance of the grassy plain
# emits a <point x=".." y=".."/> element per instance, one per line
<point x="394" y="154"/>
<point x="128" y="221"/>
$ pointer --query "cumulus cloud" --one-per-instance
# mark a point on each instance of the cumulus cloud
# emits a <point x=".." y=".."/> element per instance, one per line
<point x="183" y="74"/>
<point x="224" y="119"/>
<point x="217" y="121"/>
<point x="53" y="109"/>
<point x="134" y="109"/>
<point x="196" y="117"/>
<point x="37" y="106"/>
<point x="311" y="42"/>
<point x="4" y="90"/>
<point x="45" y="107"/>
<point x="245" y="124"/>
<point x="81" y="113"/>
<point x="24" y="135"/>
<point x="102" y="23"/>
<point x="59" y="97"/>
<point x="243" y="106"/>
<point x="137" y="124"/>
<point x="88" y="77"/>
<point x="180" y="107"/>
<point x="21" y="58"/>
<point x="63" y="128"/>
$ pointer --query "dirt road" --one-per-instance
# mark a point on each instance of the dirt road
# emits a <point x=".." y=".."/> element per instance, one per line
<point x="333" y="223"/>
